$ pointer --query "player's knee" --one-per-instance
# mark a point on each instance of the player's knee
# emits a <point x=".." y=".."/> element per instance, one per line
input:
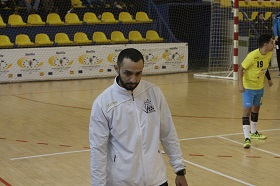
<point x="254" y="116"/>
<point x="245" y="121"/>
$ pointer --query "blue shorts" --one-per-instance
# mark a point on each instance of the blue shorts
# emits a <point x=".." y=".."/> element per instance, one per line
<point x="252" y="97"/>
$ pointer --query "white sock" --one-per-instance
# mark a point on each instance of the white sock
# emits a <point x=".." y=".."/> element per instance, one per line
<point x="253" y="127"/>
<point x="246" y="131"/>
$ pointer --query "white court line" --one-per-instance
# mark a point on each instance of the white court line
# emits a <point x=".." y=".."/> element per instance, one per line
<point x="60" y="153"/>
<point x="219" y="173"/>
<point x="42" y="155"/>
<point x="252" y="147"/>
<point x="203" y="137"/>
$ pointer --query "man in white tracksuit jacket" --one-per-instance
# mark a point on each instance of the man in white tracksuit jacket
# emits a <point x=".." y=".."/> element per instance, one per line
<point x="127" y="123"/>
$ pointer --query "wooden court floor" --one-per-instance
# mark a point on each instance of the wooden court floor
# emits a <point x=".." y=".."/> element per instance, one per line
<point x="44" y="131"/>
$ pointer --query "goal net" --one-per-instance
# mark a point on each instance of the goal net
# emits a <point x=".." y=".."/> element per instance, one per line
<point x="191" y="35"/>
<point x="226" y="52"/>
<point x="81" y="39"/>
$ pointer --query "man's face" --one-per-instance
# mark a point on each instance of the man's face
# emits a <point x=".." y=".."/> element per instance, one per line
<point x="130" y="73"/>
<point x="270" y="45"/>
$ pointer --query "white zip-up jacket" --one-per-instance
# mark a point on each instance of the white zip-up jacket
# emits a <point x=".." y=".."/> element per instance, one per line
<point x="125" y="131"/>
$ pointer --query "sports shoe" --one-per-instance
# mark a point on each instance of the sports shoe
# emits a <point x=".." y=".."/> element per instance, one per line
<point x="257" y="135"/>
<point x="247" y="143"/>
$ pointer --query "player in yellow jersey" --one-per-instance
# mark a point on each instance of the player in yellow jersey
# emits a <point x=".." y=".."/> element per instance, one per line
<point x="251" y="74"/>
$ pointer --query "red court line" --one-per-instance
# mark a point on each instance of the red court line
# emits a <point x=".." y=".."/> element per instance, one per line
<point x="196" y="154"/>
<point x="277" y="157"/>
<point x="21" y="140"/>
<point x="60" y="105"/>
<point x="65" y="145"/>
<point x="86" y="147"/>
<point x="224" y="156"/>
<point x="2" y="138"/>
<point x="74" y="107"/>
<point x="4" y="182"/>
<point x="253" y="156"/>
<point x="42" y="143"/>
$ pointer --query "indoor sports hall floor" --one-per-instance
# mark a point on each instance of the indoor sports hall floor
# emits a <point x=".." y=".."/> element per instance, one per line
<point x="44" y="131"/>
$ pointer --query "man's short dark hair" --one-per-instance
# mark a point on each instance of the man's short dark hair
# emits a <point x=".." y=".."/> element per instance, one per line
<point x="264" y="38"/>
<point x="130" y="53"/>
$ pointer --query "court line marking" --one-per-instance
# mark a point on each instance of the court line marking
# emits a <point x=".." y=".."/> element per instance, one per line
<point x="217" y="136"/>
<point x="233" y="134"/>
<point x="219" y="173"/>
<point x="4" y="182"/>
<point x="53" y="154"/>
<point x="268" y="152"/>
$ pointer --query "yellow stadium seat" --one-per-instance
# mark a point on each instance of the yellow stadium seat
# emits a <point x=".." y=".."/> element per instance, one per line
<point x="266" y="4"/>
<point x="267" y="15"/>
<point x="62" y="39"/>
<point x="143" y="17"/>
<point x="225" y="3"/>
<point x="54" y="19"/>
<point x="35" y="19"/>
<point x="254" y="4"/>
<point x="240" y="16"/>
<point x="136" y="36"/>
<point x="43" y="40"/>
<point x="23" y="40"/>
<point x="72" y="19"/>
<point x="16" y="20"/>
<point x="81" y="38"/>
<point x="5" y="42"/>
<point x="118" y="37"/>
<point x="90" y="18"/>
<point x="100" y="38"/>
<point x="253" y="16"/>
<point x="126" y="17"/>
<point x="2" y="23"/>
<point x="243" y="4"/>
<point x="152" y="36"/>
<point x="77" y="4"/>
<point x="108" y="17"/>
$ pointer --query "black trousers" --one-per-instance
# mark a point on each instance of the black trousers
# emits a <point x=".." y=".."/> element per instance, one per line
<point x="164" y="184"/>
<point x="277" y="43"/>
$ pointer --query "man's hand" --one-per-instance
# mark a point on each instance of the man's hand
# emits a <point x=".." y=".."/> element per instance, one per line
<point x="241" y="87"/>
<point x="270" y="83"/>
<point x="181" y="181"/>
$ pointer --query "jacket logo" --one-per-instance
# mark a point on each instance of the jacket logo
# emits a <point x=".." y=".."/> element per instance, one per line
<point x="148" y="107"/>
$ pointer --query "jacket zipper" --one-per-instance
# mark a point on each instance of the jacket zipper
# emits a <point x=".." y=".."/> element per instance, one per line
<point x="132" y="95"/>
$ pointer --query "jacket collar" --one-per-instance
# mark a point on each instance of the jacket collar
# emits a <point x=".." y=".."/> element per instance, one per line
<point x="123" y="91"/>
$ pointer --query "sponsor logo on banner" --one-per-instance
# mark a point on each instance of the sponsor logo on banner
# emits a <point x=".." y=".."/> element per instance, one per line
<point x="60" y="61"/>
<point x="172" y="55"/>
<point x="4" y="65"/>
<point x="29" y="63"/>
<point x="113" y="58"/>
<point x="89" y="60"/>
<point x="149" y="57"/>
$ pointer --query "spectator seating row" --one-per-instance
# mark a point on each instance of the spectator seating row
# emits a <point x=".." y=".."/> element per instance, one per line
<point x="243" y="16"/>
<point x="73" y="19"/>
<point x="80" y="38"/>
<point x="252" y="3"/>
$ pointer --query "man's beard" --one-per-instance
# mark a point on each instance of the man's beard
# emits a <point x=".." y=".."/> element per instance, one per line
<point x="127" y="85"/>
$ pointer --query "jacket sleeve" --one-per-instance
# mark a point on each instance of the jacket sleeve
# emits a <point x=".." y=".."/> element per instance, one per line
<point x="168" y="136"/>
<point x="98" y="139"/>
<point x="275" y="25"/>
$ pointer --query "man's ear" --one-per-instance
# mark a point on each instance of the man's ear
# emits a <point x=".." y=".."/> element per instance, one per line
<point x="116" y="68"/>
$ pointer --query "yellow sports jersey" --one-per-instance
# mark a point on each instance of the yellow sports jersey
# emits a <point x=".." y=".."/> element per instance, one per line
<point x="255" y="65"/>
